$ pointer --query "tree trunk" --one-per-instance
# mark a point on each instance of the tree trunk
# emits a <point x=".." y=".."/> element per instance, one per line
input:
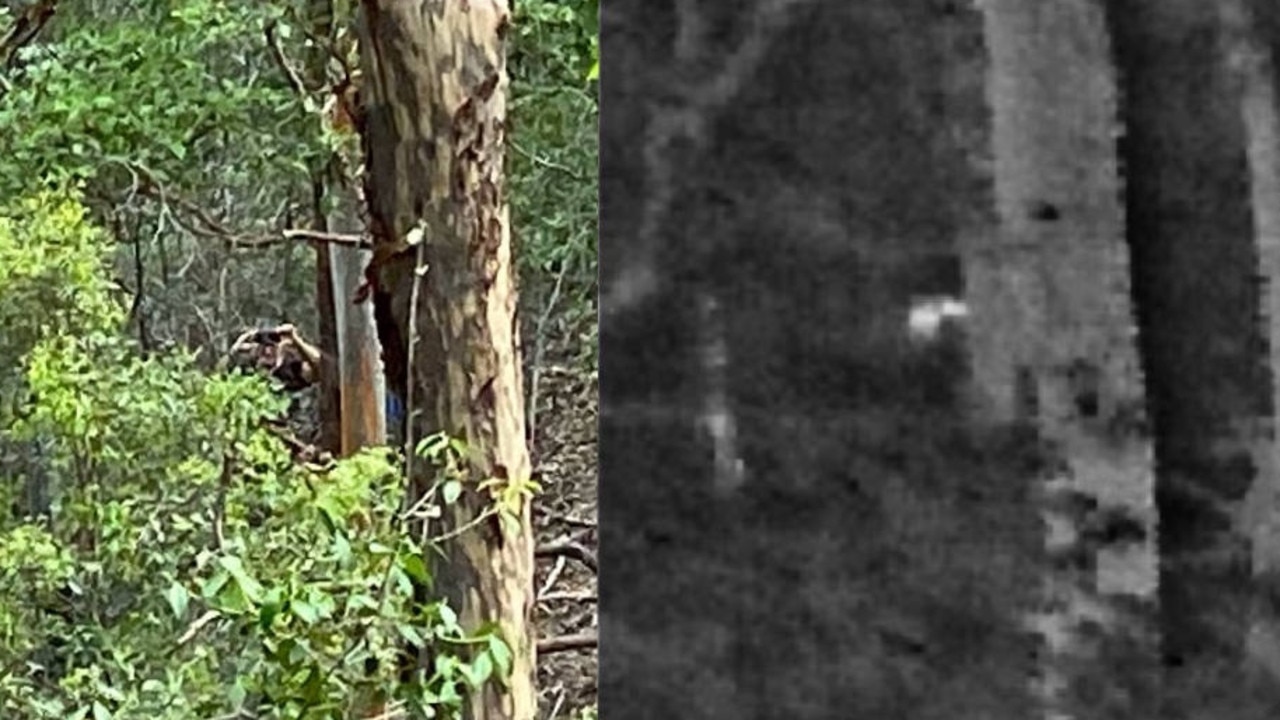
<point x="1058" y="198"/>
<point x="1250" y="60"/>
<point x="364" y="422"/>
<point x="1189" y="224"/>
<point x="435" y="123"/>
<point x="329" y="376"/>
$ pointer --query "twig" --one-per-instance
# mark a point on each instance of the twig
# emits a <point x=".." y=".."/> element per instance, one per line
<point x="582" y="597"/>
<point x="577" y="641"/>
<point x="194" y="628"/>
<point x="566" y="519"/>
<point x="536" y="160"/>
<point x="277" y="53"/>
<point x="539" y="345"/>
<point x="552" y="577"/>
<point x="315" y="236"/>
<point x="555" y="709"/>
<point x="419" y="269"/>
<point x="569" y="549"/>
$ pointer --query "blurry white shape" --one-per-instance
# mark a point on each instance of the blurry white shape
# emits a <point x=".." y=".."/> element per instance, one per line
<point x="717" y="418"/>
<point x="630" y="290"/>
<point x="928" y="313"/>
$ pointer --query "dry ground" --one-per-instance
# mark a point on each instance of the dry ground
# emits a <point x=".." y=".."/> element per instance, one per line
<point x="565" y="444"/>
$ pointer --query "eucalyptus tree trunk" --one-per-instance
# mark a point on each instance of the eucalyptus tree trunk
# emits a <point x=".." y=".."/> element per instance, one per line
<point x="1058" y="196"/>
<point x="443" y="284"/>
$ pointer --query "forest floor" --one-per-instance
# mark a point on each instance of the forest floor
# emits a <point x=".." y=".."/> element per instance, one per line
<point x="565" y="463"/>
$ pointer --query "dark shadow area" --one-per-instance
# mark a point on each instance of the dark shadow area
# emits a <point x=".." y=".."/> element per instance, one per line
<point x="883" y="550"/>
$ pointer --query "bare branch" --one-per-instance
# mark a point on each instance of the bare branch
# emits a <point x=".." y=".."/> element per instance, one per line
<point x="569" y="549"/>
<point x="277" y="54"/>
<point x="577" y="641"/>
<point x="315" y="236"/>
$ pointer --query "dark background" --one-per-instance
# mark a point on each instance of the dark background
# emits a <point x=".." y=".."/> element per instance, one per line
<point x="880" y="555"/>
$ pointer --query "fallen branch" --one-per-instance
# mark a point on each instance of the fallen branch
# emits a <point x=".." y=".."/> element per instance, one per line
<point x="552" y="577"/>
<point x="563" y="643"/>
<point x="582" y="597"/>
<point x="566" y="519"/>
<point x="569" y="549"/>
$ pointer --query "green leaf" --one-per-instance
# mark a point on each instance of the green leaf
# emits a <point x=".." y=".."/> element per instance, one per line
<point x="415" y="567"/>
<point x="501" y="655"/>
<point x="236" y="694"/>
<point x="304" y="611"/>
<point x="594" y="72"/>
<point x="235" y="567"/>
<point x="214" y="585"/>
<point x="451" y="491"/>
<point x="480" y="670"/>
<point x="178" y="599"/>
<point x="410" y="634"/>
<point x="100" y="711"/>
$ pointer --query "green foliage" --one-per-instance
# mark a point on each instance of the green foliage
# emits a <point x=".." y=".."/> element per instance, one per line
<point x="141" y="92"/>
<point x="188" y="567"/>
<point x="51" y="275"/>
<point x="554" y="155"/>
<point x="167" y="109"/>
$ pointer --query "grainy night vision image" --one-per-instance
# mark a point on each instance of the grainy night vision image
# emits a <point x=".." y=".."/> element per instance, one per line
<point x="937" y="359"/>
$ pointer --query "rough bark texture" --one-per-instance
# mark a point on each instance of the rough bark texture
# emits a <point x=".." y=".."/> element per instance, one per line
<point x="435" y="130"/>
<point x="1062" y="231"/>
<point x="1190" y="232"/>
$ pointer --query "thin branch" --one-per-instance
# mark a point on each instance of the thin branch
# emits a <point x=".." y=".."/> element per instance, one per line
<point x="317" y="237"/>
<point x="563" y="643"/>
<point x="209" y="226"/>
<point x="539" y="347"/>
<point x="582" y="597"/>
<point x="552" y="577"/>
<point x="569" y="549"/>
<point x="194" y="628"/>
<point x="566" y="519"/>
<point x="277" y="53"/>
<point x="550" y="165"/>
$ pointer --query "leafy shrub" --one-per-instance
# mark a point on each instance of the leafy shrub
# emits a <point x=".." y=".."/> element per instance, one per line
<point x="186" y="566"/>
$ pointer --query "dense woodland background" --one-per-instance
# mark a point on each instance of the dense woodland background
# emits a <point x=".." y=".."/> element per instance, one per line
<point x="1072" y="484"/>
<point x="174" y="173"/>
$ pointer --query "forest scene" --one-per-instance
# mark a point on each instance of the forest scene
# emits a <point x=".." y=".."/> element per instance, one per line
<point x="298" y="359"/>
<point x="940" y="344"/>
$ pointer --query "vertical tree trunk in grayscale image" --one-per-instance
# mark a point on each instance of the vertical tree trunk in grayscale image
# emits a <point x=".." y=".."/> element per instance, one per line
<point x="1250" y="62"/>
<point x="1063" y="302"/>
<point x="1190" y="221"/>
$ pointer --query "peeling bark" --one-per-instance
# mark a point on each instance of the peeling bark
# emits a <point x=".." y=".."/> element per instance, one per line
<point x="435" y="128"/>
